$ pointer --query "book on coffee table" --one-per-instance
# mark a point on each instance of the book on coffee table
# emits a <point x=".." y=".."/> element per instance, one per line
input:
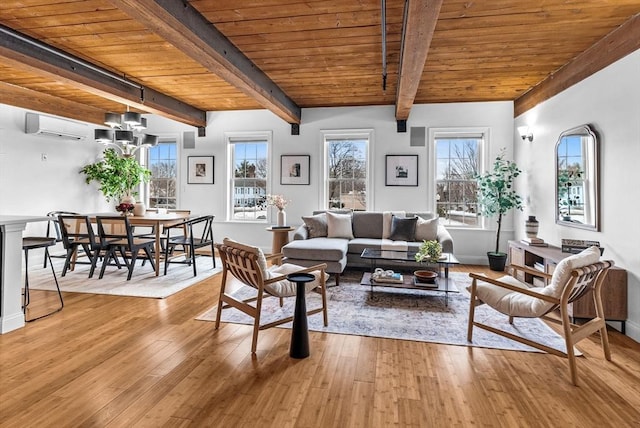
<point x="396" y="278"/>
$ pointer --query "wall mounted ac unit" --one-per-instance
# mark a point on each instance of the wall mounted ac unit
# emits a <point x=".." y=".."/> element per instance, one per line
<point x="55" y="127"/>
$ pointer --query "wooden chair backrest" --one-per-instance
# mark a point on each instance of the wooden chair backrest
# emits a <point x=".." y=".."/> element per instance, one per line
<point x="114" y="228"/>
<point x="241" y="264"/>
<point x="585" y="278"/>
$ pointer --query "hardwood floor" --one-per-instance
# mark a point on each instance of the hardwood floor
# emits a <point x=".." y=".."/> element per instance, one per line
<point x="119" y="361"/>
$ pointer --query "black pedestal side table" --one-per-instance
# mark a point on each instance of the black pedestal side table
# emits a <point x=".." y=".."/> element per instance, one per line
<point x="300" y="331"/>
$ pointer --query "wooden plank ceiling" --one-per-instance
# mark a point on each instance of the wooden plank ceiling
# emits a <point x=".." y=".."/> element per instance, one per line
<point x="313" y="53"/>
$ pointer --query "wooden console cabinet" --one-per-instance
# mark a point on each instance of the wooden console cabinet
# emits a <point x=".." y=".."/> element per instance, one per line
<point x="614" y="289"/>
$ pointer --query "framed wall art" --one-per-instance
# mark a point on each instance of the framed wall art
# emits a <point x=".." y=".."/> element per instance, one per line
<point x="200" y="170"/>
<point x="294" y="169"/>
<point x="401" y="170"/>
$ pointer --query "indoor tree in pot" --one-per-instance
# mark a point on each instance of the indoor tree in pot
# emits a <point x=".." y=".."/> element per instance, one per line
<point x="496" y="196"/>
<point x="117" y="176"/>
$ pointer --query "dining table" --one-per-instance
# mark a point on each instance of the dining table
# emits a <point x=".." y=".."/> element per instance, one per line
<point x="156" y="221"/>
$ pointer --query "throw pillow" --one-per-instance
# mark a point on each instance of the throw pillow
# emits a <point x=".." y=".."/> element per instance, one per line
<point x="427" y="230"/>
<point x="339" y="226"/>
<point x="316" y="224"/>
<point x="403" y="229"/>
<point x="386" y="222"/>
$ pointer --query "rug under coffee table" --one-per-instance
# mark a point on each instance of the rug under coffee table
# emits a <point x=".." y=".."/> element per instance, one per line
<point x="441" y="283"/>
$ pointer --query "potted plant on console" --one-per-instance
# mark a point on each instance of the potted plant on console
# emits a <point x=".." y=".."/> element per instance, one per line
<point x="117" y="176"/>
<point x="496" y="197"/>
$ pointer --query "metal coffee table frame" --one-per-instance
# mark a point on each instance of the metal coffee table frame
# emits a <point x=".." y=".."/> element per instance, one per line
<point x="448" y="259"/>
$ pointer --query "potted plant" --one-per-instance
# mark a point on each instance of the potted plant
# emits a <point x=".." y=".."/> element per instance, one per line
<point x="117" y="176"/>
<point x="429" y="251"/>
<point x="496" y="196"/>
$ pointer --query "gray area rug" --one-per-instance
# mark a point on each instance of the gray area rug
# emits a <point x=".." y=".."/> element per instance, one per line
<point x="419" y="315"/>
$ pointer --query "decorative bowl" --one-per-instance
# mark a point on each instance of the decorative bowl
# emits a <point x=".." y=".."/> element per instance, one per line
<point x="427" y="276"/>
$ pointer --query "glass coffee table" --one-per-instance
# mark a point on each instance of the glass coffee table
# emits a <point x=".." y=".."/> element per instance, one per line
<point x="441" y="282"/>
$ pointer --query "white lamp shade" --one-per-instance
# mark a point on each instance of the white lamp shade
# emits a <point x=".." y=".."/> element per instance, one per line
<point x="150" y="140"/>
<point x="112" y="119"/>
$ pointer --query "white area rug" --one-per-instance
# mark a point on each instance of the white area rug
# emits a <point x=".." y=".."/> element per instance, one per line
<point x="393" y="313"/>
<point x="143" y="283"/>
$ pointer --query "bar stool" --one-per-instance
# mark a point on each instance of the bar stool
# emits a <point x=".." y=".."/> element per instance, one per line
<point x="32" y="243"/>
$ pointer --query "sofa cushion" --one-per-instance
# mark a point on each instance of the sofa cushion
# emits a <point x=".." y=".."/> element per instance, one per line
<point x="316" y="224"/>
<point x="562" y="272"/>
<point x="426" y="230"/>
<point x="339" y="226"/>
<point x="402" y="228"/>
<point x="321" y="249"/>
<point x="286" y="288"/>
<point x="367" y="224"/>
<point x="357" y="245"/>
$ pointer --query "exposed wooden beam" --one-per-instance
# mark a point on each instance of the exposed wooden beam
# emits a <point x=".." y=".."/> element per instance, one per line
<point x="184" y="27"/>
<point x="23" y="52"/>
<point x="614" y="46"/>
<point x="33" y="100"/>
<point x="420" y="20"/>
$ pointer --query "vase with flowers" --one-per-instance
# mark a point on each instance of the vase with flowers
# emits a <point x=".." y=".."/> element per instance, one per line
<point x="125" y="209"/>
<point x="280" y="203"/>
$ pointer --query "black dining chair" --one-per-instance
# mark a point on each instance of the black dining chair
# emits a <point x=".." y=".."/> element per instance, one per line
<point x="77" y="233"/>
<point x="116" y="234"/>
<point x="54" y="226"/>
<point x="33" y="243"/>
<point x="199" y="234"/>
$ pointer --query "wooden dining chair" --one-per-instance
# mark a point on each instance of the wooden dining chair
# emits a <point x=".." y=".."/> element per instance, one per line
<point x="248" y="264"/>
<point x="117" y="235"/>
<point x="573" y="277"/>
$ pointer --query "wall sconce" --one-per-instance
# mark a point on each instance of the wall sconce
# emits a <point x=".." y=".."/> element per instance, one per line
<point x="525" y="133"/>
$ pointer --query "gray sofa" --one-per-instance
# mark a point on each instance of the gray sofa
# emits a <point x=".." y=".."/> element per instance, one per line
<point x="338" y="253"/>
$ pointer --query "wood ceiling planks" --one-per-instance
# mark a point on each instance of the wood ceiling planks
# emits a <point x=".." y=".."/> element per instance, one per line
<point x="323" y="52"/>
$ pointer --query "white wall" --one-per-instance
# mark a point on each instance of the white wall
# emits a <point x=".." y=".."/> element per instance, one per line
<point x="470" y="245"/>
<point x="40" y="186"/>
<point x="29" y="185"/>
<point x="610" y="101"/>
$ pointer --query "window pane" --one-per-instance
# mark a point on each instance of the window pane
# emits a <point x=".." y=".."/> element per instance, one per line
<point x="249" y="180"/>
<point x="457" y="164"/>
<point x="162" y="161"/>
<point x="347" y="173"/>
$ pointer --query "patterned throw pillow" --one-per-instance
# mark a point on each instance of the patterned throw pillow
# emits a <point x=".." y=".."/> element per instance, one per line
<point x="316" y="225"/>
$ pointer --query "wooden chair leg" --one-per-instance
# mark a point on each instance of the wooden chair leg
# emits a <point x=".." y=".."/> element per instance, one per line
<point x="568" y="338"/>
<point x="472" y="310"/>
<point x="256" y="323"/>
<point x="325" y="314"/>
<point x="604" y="337"/>
<point x="223" y="287"/>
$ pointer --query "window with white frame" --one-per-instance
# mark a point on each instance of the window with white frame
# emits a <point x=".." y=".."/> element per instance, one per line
<point x="458" y="161"/>
<point x="162" y="161"/>
<point x="249" y="176"/>
<point x="347" y="170"/>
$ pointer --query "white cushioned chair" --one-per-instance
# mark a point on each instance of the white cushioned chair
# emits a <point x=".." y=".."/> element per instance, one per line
<point x="573" y="277"/>
<point x="248" y="264"/>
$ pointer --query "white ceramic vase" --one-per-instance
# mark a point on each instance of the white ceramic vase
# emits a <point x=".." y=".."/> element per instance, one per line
<point x="282" y="218"/>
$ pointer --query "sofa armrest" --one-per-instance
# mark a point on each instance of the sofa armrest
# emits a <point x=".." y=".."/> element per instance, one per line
<point x="444" y="238"/>
<point x="301" y="233"/>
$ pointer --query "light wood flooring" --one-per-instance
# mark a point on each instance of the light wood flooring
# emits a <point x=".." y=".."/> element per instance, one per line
<point x="120" y="362"/>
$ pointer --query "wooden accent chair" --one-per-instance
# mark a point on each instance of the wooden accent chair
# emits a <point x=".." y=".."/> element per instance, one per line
<point x="571" y="280"/>
<point x="249" y="265"/>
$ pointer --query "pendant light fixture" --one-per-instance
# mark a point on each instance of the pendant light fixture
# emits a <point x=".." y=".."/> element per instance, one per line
<point x="122" y="133"/>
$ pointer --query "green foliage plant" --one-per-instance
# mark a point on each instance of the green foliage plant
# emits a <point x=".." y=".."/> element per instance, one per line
<point x="496" y="194"/>
<point x="117" y="176"/>
<point x="429" y="251"/>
